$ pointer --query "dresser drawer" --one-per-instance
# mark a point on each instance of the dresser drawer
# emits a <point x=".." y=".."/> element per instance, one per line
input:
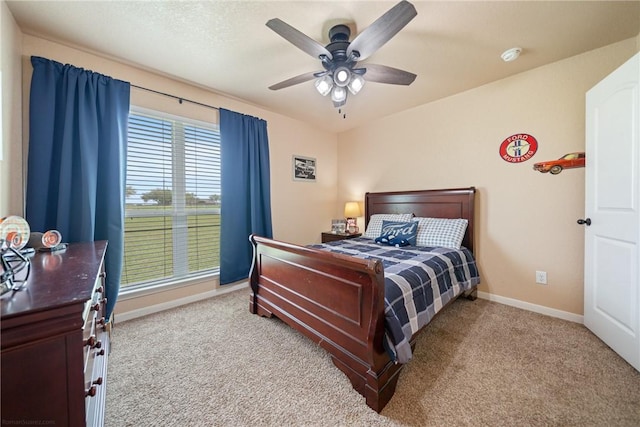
<point x="90" y="316"/>
<point x="95" y="349"/>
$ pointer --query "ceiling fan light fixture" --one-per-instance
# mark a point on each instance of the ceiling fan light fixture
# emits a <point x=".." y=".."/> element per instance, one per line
<point x="355" y="84"/>
<point x="341" y="76"/>
<point x="339" y="104"/>
<point x="338" y="94"/>
<point x="511" y="54"/>
<point x="340" y="57"/>
<point x="324" y="85"/>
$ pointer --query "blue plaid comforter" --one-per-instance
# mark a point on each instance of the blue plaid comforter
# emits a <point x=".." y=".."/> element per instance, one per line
<point x="418" y="282"/>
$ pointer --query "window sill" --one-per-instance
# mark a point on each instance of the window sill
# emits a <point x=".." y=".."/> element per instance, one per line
<point x="126" y="294"/>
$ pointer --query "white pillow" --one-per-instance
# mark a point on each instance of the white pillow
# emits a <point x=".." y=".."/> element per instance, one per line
<point x="444" y="232"/>
<point x="374" y="228"/>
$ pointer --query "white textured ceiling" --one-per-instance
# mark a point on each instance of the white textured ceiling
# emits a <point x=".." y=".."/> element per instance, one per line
<point x="224" y="45"/>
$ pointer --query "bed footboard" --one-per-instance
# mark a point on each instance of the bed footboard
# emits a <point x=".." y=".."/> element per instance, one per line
<point x="335" y="300"/>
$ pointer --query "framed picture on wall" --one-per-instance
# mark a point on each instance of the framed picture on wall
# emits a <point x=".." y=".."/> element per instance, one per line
<point x="304" y="168"/>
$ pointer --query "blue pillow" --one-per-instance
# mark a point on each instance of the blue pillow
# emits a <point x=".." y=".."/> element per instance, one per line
<point x="398" y="233"/>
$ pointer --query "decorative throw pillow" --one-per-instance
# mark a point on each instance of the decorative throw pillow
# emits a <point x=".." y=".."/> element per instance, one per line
<point x="444" y="232"/>
<point x="396" y="233"/>
<point x="375" y="223"/>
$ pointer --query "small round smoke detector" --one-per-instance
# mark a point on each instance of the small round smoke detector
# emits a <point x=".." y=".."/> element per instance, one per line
<point x="511" y="54"/>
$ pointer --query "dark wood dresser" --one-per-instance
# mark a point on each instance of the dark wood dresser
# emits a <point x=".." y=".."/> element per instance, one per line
<point x="54" y="341"/>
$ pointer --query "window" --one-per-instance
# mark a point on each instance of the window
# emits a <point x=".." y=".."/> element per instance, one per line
<point x="172" y="212"/>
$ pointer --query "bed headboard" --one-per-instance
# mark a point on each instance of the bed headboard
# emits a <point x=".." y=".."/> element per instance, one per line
<point x="450" y="203"/>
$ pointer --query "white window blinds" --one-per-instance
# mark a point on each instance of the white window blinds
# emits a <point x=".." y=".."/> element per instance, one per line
<point x="172" y="218"/>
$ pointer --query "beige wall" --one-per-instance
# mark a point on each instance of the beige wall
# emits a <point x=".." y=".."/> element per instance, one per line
<point x="300" y="210"/>
<point x="526" y="220"/>
<point x="11" y="124"/>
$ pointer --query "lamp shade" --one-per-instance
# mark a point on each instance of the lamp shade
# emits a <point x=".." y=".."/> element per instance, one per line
<point x="341" y="76"/>
<point x="352" y="210"/>
<point x="338" y="94"/>
<point x="324" y="85"/>
<point x="355" y="84"/>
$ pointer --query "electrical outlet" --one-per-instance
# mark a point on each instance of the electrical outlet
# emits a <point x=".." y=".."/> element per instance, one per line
<point x="541" y="277"/>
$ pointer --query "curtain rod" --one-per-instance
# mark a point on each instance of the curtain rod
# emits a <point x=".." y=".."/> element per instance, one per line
<point x="179" y="98"/>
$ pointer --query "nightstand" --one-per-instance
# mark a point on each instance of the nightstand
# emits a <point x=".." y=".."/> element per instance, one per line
<point x="332" y="237"/>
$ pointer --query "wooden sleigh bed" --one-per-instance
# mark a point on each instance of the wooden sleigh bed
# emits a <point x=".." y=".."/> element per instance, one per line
<point x="338" y="301"/>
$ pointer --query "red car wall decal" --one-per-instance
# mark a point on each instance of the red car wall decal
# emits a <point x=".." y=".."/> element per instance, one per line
<point x="568" y="161"/>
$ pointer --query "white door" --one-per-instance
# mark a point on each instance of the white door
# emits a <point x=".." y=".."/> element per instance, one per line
<point x="612" y="280"/>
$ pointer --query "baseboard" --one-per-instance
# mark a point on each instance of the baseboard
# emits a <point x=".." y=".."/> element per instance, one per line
<point x="145" y="311"/>
<point x="541" y="309"/>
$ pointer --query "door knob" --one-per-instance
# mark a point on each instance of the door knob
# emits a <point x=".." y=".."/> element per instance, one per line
<point x="584" y="221"/>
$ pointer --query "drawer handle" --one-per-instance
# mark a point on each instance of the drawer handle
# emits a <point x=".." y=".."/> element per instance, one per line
<point x="93" y="389"/>
<point x="101" y="321"/>
<point x="92" y="343"/>
<point x="102" y="274"/>
<point x="100" y="353"/>
<point x="95" y="307"/>
<point x="99" y="289"/>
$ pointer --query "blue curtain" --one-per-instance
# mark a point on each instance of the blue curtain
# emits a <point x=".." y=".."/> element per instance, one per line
<point x="246" y="191"/>
<point x="77" y="159"/>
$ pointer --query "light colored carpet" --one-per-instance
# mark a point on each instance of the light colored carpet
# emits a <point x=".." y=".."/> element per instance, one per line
<point x="479" y="363"/>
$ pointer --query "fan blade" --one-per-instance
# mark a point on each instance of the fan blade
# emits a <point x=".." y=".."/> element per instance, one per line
<point x="300" y="40"/>
<point x="295" y="80"/>
<point x="382" y="30"/>
<point x="383" y="74"/>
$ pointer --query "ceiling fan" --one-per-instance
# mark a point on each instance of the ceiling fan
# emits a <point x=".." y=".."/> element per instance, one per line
<point x="340" y="57"/>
